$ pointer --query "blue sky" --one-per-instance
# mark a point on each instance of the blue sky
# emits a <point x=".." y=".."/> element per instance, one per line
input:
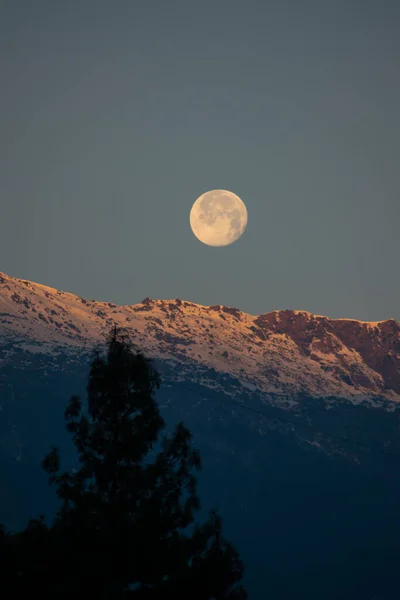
<point x="116" y="116"/>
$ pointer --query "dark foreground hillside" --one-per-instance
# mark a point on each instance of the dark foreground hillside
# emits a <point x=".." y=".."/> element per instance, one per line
<point x="310" y="499"/>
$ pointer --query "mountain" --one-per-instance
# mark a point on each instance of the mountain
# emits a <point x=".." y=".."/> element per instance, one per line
<point x="281" y="353"/>
<point x="297" y="417"/>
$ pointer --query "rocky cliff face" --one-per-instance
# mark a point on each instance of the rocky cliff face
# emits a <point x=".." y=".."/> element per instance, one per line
<point x="318" y="338"/>
<point x="281" y="354"/>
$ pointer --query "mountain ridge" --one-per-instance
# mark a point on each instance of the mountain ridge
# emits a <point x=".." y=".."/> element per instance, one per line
<point x="282" y="352"/>
<point x="295" y="416"/>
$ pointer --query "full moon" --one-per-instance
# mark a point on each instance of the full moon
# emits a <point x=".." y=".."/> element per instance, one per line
<point x="218" y="218"/>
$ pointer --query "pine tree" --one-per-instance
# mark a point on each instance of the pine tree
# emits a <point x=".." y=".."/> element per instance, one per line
<point x="126" y="525"/>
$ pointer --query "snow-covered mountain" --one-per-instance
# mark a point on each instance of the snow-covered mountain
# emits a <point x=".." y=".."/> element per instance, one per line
<point x="281" y="353"/>
<point x="296" y="416"/>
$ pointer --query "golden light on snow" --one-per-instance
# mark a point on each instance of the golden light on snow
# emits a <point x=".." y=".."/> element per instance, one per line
<point x="218" y="218"/>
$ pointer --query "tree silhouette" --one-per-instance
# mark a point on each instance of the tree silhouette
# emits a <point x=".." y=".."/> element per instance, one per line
<point x="126" y="524"/>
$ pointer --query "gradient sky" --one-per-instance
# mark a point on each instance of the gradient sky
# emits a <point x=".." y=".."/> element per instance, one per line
<point x="115" y="116"/>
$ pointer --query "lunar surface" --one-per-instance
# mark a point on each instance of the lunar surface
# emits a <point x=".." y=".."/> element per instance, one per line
<point x="218" y="218"/>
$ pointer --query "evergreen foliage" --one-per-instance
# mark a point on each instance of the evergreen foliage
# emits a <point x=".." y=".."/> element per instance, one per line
<point x="126" y="525"/>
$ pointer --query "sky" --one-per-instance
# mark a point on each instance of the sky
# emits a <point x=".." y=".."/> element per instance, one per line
<point x="115" y="116"/>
